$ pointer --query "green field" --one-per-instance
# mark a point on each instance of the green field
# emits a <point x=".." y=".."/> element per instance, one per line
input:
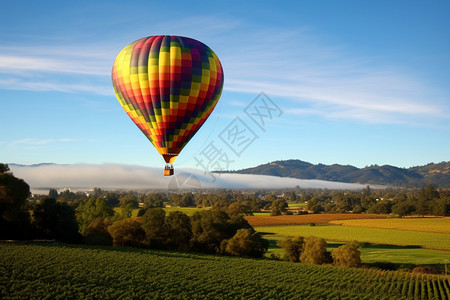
<point x="437" y="225"/>
<point x="361" y="234"/>
<point x="187" y="210"/>
<point x="371" y="253"/>
<point x="81" y="272"/>
<point x="297" y="205"/>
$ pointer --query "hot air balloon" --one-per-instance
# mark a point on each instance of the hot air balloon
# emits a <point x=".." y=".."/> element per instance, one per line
<point x="168" y="85"/>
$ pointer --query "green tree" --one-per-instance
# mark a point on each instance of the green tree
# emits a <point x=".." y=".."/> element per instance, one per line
<point x="278" y="207"/>
<point x="381" y="207"/>
<point x="55" y="220"/>
<point x="14" y="216"/>
<point x="154" y="200"/>
<point x="441" y="206"/>
<point x="403" y="208"/>
<point x="13" y="195"/>
<point x="425" y="198"/>
<point x="129" y="200"/>
<point x="128" y="232"/>
<point x="179" y="231"/>
<point x="347" y="255"/>
<point x="248" y="243"/>
<point x="293" y="247"/>
<point x="91" y="209"/>
<point x="154" y="225"/>
<point x="315" y="251"/>
<point x="187" y="200"/>
<point x="209" y="228"/>
<point x="315" y="206"/>
<point x="237" y="208"/>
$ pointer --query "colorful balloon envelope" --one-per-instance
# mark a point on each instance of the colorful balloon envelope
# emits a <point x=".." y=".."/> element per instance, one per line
<point x="168" y="86"/>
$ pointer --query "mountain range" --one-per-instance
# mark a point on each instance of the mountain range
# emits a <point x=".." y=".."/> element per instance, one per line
<point x="437" y="174"/>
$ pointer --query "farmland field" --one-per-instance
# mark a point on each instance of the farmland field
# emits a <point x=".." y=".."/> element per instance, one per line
<point x="186" y="210"/>
<point x="438" y="225"/>
<point x="62" y="272"/>
<point x="266" y="220"/>
<point x="361" y="234"/>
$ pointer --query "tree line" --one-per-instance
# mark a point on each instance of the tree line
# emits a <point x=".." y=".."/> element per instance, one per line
<point x="93" y="219"/>
<point x="401" y="202"/>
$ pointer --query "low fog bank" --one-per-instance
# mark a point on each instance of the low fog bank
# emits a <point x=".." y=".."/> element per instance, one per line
<point x="118" y="176"/>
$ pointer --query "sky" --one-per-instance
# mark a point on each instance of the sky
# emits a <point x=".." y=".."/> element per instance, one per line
<point x="347" y="82"/>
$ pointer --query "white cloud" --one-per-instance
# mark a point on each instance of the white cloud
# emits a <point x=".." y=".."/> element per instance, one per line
<point x="40" y="86"/>
<point x="115" y="177"/>
<point x="34" y="143"/>
<point x="10" y="63"/>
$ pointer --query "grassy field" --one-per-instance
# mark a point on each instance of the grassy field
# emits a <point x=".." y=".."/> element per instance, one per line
<point x="437" y="225"/>
<point x="361" y="234"/>
<point x="371" y="253"/>
<point x="82" y="272"/>
<point x="266" y="220"/>
<point x="187" y="210"/>
<point x="297" y="205"/>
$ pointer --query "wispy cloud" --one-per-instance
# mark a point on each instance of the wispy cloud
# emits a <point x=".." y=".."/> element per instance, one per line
<point x="16" y="63"/>
<point x="317" y="77"/>
<point x="33" y="143"/>
<point x="56" y="68"/>
<point x="40" y="86"/>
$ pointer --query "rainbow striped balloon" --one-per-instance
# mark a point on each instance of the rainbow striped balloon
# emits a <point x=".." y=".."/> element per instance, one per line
<point x="168" y="86"/>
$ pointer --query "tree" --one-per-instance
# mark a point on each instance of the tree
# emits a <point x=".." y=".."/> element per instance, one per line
<point x="53" y="193"/>
<point x="425" y="198"/>
<point x="154" y="200"/>
<point x="293" y="248"/>
<point x="315" y="251"/>
<point x="55" y="220"/>
<point x="179" y="230"/>
<point x="248" y="243"/>
<point x="441" y="206"/>
<point x="129" y="200"/>
<point x="68" y="196"/>
<point x="14" y="217"/>
<point x="211" y="227"/>
<point x="237" y="208"/>
<point x="91" y="209"/>
<point x="403" y="208"/>
<point x="187" y="200"/>
<point x="347" y="255"/>
<point x="381" y="207"/>
<point x="315" y="206"/>
<point x="154" y="225"/>
<point x="4" y="168"/>
<point x="127" y="232"/>
<point x="97" y="232"/>
<point x="278" y="207"/>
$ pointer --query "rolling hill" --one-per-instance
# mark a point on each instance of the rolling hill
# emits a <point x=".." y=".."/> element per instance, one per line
<point x="437" y="174"/>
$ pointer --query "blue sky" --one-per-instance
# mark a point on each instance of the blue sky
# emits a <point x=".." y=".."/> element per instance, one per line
<point x="353" y="82"/>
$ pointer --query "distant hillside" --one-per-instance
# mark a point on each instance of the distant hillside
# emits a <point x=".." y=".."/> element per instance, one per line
<point x="437" y="174"/>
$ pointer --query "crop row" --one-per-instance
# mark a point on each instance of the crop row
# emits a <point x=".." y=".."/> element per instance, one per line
<point x="63" y="272"/>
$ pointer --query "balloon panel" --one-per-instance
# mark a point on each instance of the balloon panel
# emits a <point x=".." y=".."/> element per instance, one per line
<point x="168" y="85"/>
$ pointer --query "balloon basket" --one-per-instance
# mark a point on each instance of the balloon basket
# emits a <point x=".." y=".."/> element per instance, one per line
<point x="168" y="170"/>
